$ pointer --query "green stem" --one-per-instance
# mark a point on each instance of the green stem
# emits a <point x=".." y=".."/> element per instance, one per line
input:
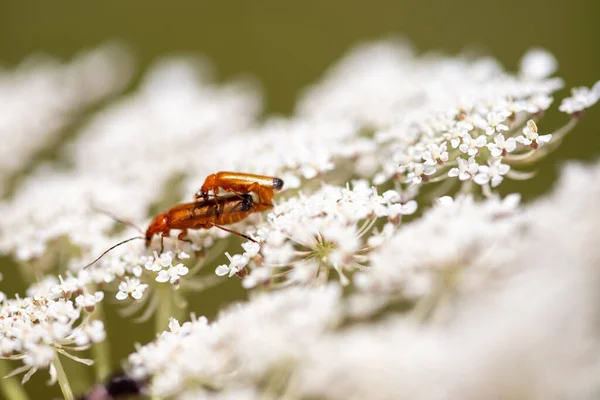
<point x="277" y="383"/>
<point x="27" y="273"/>
<point x="101" y="350"/>
<point x="425" y="308"/>
<point x="63" y="382"/>
<point x="165" y="307"/>
<point x="11" y="387"/>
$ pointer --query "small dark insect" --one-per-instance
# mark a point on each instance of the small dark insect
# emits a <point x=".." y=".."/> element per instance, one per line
<point x="119" y="386"/>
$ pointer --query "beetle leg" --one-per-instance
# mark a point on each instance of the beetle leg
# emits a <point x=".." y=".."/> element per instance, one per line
<point x="232" y="231"/>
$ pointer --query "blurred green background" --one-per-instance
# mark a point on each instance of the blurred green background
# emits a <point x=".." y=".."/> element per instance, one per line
<point x="287" y="45"/>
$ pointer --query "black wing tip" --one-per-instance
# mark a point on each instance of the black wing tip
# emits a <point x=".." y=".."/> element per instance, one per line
<point x="277" y="183"/>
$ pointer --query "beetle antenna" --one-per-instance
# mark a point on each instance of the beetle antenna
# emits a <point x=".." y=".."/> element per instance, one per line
<point x="112" y="247"/>
<point x="117" y="219"/>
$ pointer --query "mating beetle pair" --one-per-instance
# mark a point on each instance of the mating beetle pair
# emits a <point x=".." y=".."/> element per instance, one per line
<point x="207" y="211"/>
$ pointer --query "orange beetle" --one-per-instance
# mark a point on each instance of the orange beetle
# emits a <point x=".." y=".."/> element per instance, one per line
<point x="241" y="183"/>
<point x="197" y="215"/>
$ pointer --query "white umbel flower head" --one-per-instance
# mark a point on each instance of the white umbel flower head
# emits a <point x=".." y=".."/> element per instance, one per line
<point x="306" y="238"/>
<point x="53" y="321"/>
<point x="246" y="342"/>
<point x="424" y="127"/>
<point x="581" y="98"/>
<point x="538" y="64"/>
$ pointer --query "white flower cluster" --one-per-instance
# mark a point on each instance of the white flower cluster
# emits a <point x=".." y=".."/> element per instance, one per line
<point x="308" y="236"/>
<point x="40" y="97"/>
<point x="298" y="148"/>
<point x="460" y="253"/>
<point x="528" y="324"/>
<point x="581" y="98"/>
<point x="139" y="144"/>
<point x="53" y="319"/>
<point x="247" y="344"/>
<point x="436" y="118"/>
<point x="129" y="272"/>
<point x="475" y="141"/>
<point x="528" y="327"/>
<point x="383" y="115"/>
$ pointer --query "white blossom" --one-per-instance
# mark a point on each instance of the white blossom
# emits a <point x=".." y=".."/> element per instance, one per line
<point x="466" y="169"/>
<point x="494" y="123"/>
<point x="89" y="301"/>
<point x="131" y="287"/>
<point x="581" y="98"/>
<point x="91" y="333"/>
<point x="471" y="146"/>
<point x="538" y="64"/>
<point x="502" y="145"/>
<point x="493" y="172"/>
<point x="416" y="171"/>
<point x="531" y="136"/>
<point x="436" y="154"/>
<point x="236" y="264"/>
<point x="398" y="209"/>
<point x="173" y="274"/>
